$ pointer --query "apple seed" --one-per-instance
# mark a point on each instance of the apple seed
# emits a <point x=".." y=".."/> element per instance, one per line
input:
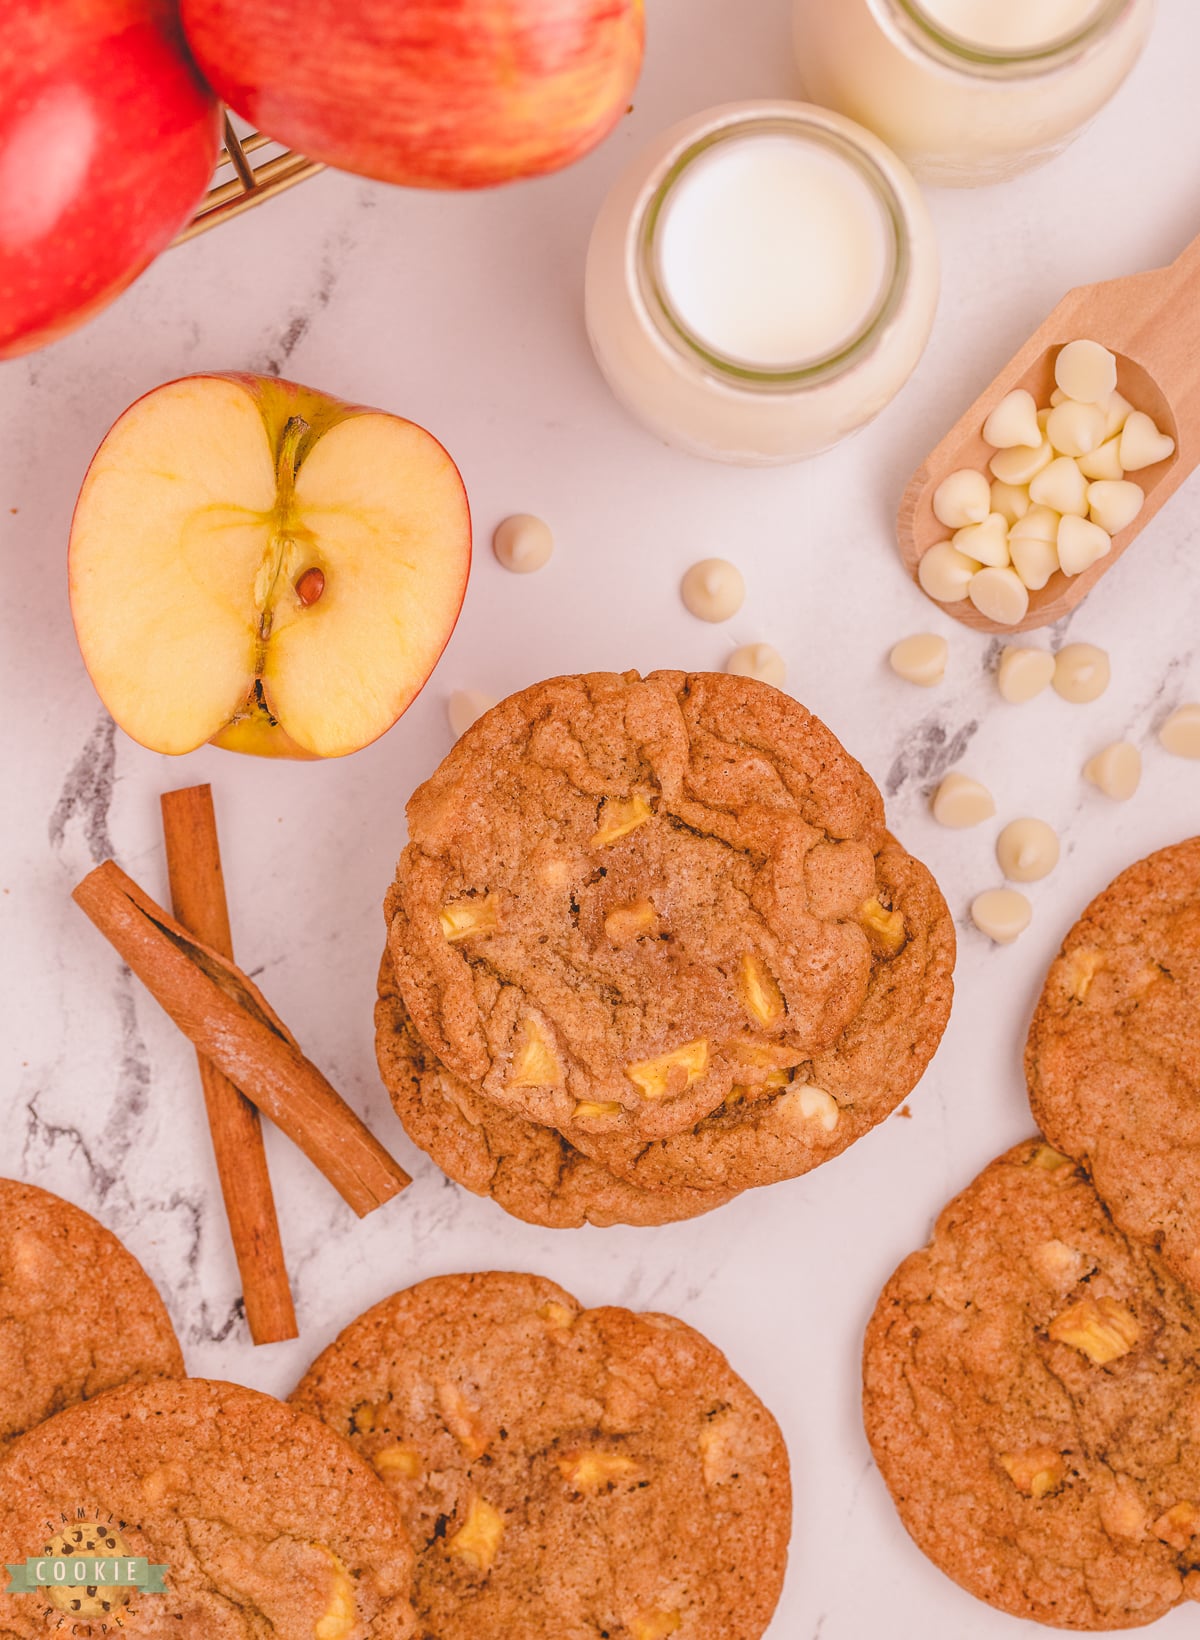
<point x="310" y="586"/>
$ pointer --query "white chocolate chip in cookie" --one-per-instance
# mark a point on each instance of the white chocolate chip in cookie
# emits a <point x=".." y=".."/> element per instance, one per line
<point x="1086" y="371"/>
<point x="944" y="574"/>
<point x="1013" y="422"/>
<point x="1180" y="734"/>
<point x="1000" y="595"/>
<point x="960" y="802"/>
<point x="1081" y="673"/>
<point x="920" y="659"/>
<point x="523" y="543"/>
<point x="1023" y="673"/>
<point x="758" y="660"/>
<point x="1116" y="771"/>
<point x="963" y="498"/>
<point x="713" y="589"/>
<point x="464" y="707"/>
<point x="1002" y="914"/>
<point x="1027" y="850"/>
<point x="818" y="1106"/>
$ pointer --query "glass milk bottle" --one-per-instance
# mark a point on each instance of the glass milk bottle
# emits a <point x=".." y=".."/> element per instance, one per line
<point x="969" y="91"/>
<point x="761" y="282"/>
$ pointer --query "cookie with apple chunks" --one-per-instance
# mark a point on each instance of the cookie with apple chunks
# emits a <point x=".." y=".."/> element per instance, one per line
<point x="1031" y="1392"/>
<point x="265" y="1521"/>
<point x="625" y="897"/>
<point x="530" y="1171"/>
<point x="1113" y="1055"/>
<point x="563" y="1471"/>
<point x="78" y="1314"/>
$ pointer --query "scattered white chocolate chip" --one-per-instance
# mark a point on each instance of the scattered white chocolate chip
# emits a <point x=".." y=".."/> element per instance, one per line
<point x="1000" y="595"/>
<point x="818" y="1106"/>
<point x="1035" y="561"/>
<point x="1114" y="503"/>
<point x="1180" y="734"/>
<point x="1062" y="486"/>
<point x="1013" y="422"/>
<point x="944" y="573"/>
<point x="1075" y="429"/>
<point x="523" y="543"/>
<point x="987" y="543"/>
<point x="1086" y="372"/>
<point x="464" y="706"/>
<point x="960" y="802"/>
<point x="1081" y="544"/>
<point x="1011" y="501"/>
<point x="1038" y="524"/>
<point x="1103" y="462"/>
<point x="713" y="589"/>
<point x="963" y="498"/>
<point x="1027" y="850"/>
<point x="920" y="659"/>
<point x="1081" y="673"/>
<point x="1116" y="771"/>
<point x="758" y="660"/>
<point x="1142" y="445"/>
<point x="1021" y="465"/>
<point x="1001" y="913"/>
<point x="1024" y="673"/>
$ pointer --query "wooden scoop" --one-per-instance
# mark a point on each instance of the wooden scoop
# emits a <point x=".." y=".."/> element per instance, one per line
<point x="1151" y="321"/>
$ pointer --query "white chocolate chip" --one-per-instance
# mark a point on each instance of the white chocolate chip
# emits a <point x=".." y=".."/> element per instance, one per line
<point x="1038" y="524"/>
<point x="1075" y="429"/>
<point x="1024" y="673"/>
<point x="1011" y="501"/>
<point x="1117" y="411"/>
<point x="1086" y="372"/>
<point x="1081" y="544"/>
<point x="1034" y="561"/>
<point x="960" y="802"/>
<point x="944" y="573"/>
<point x="1142" y="445"/>
<point x="1021" y="465"/>
<point x="1103" y="463"/>
<point x="464" y="706"/>
<point x="920" y="659"/>
<point x="818" y="1106"/>
<point x="1000" y="595"/>
<point x="1062" y="486"/>
<point x="1081" y="673"/>
<point x="758" y="660"/>
<point x="1180" y="734"/>
<point x="1001" y="913"/>
<point x="1115" y="503"/>
<point x="1013" y="422"/>
<point x="1117" y="770"/>
<point x="1027" y="850"/>
<point x="986" y="543"/>
<point x="963" y="498"/>
<point x="713" y="589"/>
<point x="523" y="543"/>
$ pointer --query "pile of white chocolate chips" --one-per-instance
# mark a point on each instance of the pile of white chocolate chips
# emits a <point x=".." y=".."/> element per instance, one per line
<point x="1055" y="494"/>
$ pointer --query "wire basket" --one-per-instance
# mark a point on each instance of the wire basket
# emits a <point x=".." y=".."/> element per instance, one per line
<point x="241" y="181"/>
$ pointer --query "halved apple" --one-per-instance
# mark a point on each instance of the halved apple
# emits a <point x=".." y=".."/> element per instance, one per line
<point x="263" y="566"/>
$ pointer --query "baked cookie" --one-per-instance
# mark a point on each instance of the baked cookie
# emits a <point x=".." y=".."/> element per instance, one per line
<point x="562" y="1471"/>
<point x="531" y="1171"/>
<point x="265" y="1522"/>
<point x="78" y="1314"/>
<point x="1113" y="1056"/>
<point x="623" y="897"/>
<point x="1031" y="1391"/>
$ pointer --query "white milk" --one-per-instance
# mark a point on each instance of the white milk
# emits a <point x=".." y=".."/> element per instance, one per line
<point x="773" y="251"/>
<point x="761" y="282"/>
<point x="1025" y="78"/>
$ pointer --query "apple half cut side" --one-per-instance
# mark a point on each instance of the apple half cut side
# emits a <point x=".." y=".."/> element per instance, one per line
<point x="259" y="565"/>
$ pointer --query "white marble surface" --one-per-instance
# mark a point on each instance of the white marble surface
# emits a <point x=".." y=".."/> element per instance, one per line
<point x="464" y="313"/>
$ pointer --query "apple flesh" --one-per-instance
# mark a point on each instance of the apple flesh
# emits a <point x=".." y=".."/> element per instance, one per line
<point x="263" y="566"/>
<point x="108" y="139"/>
<point x="429" y="93"/>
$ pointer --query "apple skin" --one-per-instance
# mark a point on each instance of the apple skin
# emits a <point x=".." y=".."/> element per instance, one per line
<point x="108" y="139"/>
<point x="427" y="93"/>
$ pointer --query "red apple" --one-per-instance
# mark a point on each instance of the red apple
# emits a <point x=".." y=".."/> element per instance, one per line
<point x="263" y="566"/>
<point x="430" y="93"/>
<point x="108" y="138"/>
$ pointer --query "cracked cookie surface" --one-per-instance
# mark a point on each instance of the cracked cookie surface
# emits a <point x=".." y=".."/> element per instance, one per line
<point x="1113" y="1055"/>
<point x="267" y="1524"/>
<point x="563" y="1472"/>
<point x="623" y="897"/>
<point x="78" y="1314"/>
<point x="1031" y="1392"/>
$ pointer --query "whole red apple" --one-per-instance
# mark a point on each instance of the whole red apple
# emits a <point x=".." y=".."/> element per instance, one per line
<point x="108" y="137"/>
<point x="430" y="93"/>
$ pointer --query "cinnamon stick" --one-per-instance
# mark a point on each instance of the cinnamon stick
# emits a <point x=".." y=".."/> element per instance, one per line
<point x="227" y="1019"/>
<point x="198" y="901"/>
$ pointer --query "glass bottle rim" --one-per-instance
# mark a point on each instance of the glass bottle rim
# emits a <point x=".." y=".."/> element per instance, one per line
<point x="675" y="331"/>
<point x="913" y="18"/>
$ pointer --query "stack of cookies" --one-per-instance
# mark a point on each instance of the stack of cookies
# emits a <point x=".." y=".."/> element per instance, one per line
<point x="1032" y="1378"/>
<point x="651" y="944"/>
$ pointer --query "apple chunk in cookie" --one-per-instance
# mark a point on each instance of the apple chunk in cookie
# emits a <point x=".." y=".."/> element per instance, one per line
<point x="263" y="566"/>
